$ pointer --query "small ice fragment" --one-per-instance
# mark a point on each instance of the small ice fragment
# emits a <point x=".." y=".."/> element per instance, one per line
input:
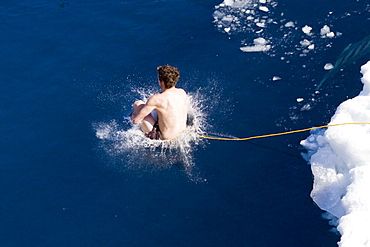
<point x="260" y="44"/>
<point x="260" y="24"/>
<point x="264" y="8"/>
<point x="311" y="47"/>
<point x="276" y="78"/>
<point x="305" y="43"/>
<point x="307" y="29"/>
<point x="306" y="107"/>
<point x="227" y="18"/>
<point x="255" y="48"/>
<point x="227" y="29"/>
<point x="228" y="2"/>
<point x="260" y="41"/>
<point x="330" y="35"/>
<point x="235" y="3"/>
<point x="328" y="66"/>
<point x="262" y="1"/>
<point x="324" y="30"/>
<point x="289" y="24"/>
<point x="299" y="100"/>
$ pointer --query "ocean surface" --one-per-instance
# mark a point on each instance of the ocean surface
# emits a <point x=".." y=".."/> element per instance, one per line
<point x="74" y="173"/>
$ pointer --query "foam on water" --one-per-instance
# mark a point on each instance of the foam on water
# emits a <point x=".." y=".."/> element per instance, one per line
<point x="340" y="163"/>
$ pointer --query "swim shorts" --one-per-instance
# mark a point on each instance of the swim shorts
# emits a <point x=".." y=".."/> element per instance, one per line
<point x="155" y="134"/>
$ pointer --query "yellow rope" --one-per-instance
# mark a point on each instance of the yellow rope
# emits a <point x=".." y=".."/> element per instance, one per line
<point x="277" y="134"/>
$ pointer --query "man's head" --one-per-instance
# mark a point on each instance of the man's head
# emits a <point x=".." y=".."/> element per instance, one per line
<point x="168" y="75"/>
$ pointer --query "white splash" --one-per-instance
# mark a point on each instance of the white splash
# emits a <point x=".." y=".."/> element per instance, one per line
<point x="123" y="140"/>
<point x="340" y="163"/>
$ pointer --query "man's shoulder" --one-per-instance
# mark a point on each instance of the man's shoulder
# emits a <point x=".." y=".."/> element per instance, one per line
<point x="166" y="95"/>
<point x="180" y="91"/>
<point x="155" y="99"/>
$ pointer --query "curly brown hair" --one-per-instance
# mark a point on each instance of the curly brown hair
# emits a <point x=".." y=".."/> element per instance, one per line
<point x="168" y="75"/>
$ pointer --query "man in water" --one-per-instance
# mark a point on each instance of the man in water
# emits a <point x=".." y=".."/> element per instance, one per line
<point x="171" y="106"/>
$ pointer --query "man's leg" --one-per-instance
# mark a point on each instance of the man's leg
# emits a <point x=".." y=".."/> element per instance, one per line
<point x="148" y="122"/>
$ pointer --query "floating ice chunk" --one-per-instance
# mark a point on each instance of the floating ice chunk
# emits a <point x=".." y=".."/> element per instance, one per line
<point x="324" y="30"/>
<point x="228" y="18"/>
<point x="260" y="44"/>
<point x="243" y="15"/>
<point x="218" y="14"/>
<point x="227" y="29"/>
<point x="328" y="66"/>
<point x="255" y="48"/>
<point x="340" y="163"/>
<point x="330" y="35"/>
<point x="228" y="2"/>
<point x="260" y="41"/>
<point x="307" y="30"/>
<point x="311" y="47"/>
<point x="276" y="78"/>
<point x="264" y="8"/>
<point x="299" y="100"/>
<point x="289" y="24"/>
<point x="305" y="43"/>
<point x="236" y="3"/>
<point x="306" y="107"/>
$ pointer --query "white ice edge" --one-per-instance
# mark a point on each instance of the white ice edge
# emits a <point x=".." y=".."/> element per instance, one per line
<point x="340" y="163"/>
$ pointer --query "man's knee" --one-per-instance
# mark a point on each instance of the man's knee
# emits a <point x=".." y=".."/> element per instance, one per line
<point x="138" y="103"/>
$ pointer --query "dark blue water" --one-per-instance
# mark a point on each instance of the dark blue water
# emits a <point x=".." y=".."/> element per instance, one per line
<point x="66" y="65"/>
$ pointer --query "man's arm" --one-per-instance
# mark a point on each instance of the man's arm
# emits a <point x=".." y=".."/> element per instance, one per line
<point x="146" y="110"/>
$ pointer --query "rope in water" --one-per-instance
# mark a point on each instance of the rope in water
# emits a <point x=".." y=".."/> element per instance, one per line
<point x="276" y="134"/>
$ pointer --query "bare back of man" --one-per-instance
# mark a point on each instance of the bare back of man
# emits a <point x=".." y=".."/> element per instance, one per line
<point x="171" y="106"/>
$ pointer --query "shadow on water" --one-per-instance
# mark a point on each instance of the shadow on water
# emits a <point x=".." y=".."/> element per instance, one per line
<point x="350" y="54"/>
